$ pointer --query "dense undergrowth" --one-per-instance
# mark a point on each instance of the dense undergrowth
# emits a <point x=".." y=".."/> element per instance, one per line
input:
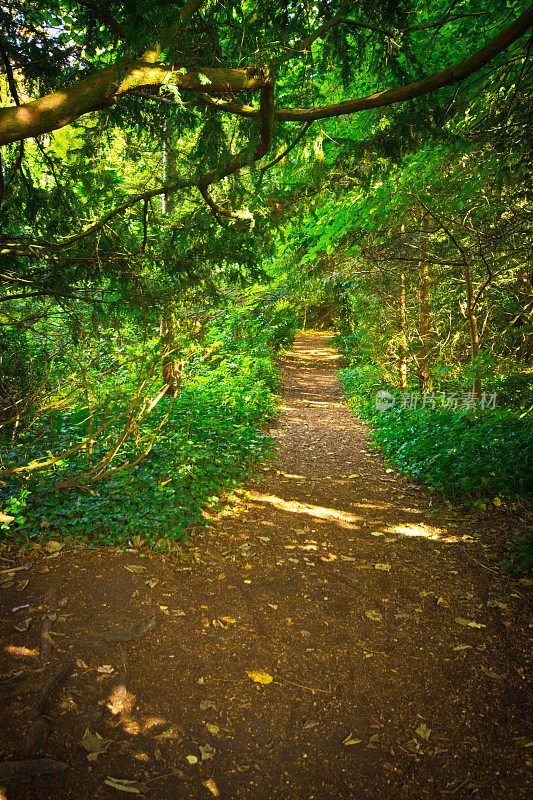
<point x="481" y="457"/>
<point x="202" y="442"/>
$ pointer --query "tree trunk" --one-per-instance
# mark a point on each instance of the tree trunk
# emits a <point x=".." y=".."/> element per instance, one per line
<point x="424" y="377"/>
<point x="170" y="366"/>
<point x="472" y="320"/>
<point x="402" y="322"/>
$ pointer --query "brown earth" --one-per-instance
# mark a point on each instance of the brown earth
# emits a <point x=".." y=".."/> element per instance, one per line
<point x="328" y="572"/>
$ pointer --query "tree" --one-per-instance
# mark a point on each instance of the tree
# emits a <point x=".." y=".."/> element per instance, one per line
<point x="178" y="62"/>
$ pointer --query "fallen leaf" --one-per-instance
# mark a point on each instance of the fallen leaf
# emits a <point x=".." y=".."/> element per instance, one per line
<point x="469" y="623"/>
<point x="123" y="785"/>
<point x="212" y="787"/>
<point x="423" y="731"/>
<point x="192" y="759"/>
<point x="354" y="475"/>
<point x="23" y="626"/>
<point x="120" y="700"/>
<point x="273" y="605"/>
<point x="523" y="741"/>
<point x="348" y="558"/>
<point x="207" y="751"/>
<point x="205" y="704"/>
<point x="259" y="676"/>
<point x="375" y="615"/>
<point x="134" y="568"/>
<point x="214" y="729"/>
<point x="152" y="583"/>
<point x="497" y="604"/>
<point x="382" y="567"/>
<point x="492" y="674"/>
<point x="377" y="533"/>
<point x="229" y="620"/>
<point x="105" y="669"/>
<point x="350" y="740"/>
<point x="53" y="546"/>
<point x="222" y="576"/>
<point x="94" y="744"/>
<point x="264" y="538"/>
<point x="442" y="602"/>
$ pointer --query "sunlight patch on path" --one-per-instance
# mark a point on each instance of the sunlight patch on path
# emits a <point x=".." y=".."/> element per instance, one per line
<point x="319" y="512"/>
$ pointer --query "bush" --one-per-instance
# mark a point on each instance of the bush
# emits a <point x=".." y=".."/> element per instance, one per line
<point x="211" y="437"/>
<point x="469" y="454"/>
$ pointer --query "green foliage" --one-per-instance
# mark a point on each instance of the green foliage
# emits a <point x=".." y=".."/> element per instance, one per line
<point x="22" y="365"/>
<point x="521" y="553"/>
<point x="207" y="443"/>
<point x="211" y="437"/>
<point x="95" y="302"/>
<point x="464" y="455"/>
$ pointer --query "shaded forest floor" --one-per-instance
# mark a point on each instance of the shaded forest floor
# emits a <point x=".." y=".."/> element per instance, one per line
<point x="397" y="647"/>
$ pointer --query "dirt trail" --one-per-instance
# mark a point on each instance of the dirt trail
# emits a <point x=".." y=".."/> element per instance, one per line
<point x="329" y="573"/>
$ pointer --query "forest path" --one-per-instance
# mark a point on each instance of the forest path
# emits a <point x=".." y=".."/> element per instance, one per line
<point x="333" y="576"/>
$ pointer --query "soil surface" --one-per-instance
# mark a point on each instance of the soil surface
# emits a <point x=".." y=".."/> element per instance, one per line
<point x="392" y="647"/>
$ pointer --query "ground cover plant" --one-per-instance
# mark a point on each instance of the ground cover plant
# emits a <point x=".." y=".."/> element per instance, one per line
<point x="478" y="454"/>
<point x="147" y="472"/>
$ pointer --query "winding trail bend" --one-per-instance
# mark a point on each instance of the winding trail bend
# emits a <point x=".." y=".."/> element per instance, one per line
<point x="337" y="578"/>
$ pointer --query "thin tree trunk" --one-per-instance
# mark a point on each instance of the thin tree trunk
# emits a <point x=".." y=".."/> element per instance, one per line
<point x="525" y="297"/>
<point x="424" y="377"/>
<point x="402" y="350"/>
<point x="170" y="366"/>
<point x="472" y="320"/>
